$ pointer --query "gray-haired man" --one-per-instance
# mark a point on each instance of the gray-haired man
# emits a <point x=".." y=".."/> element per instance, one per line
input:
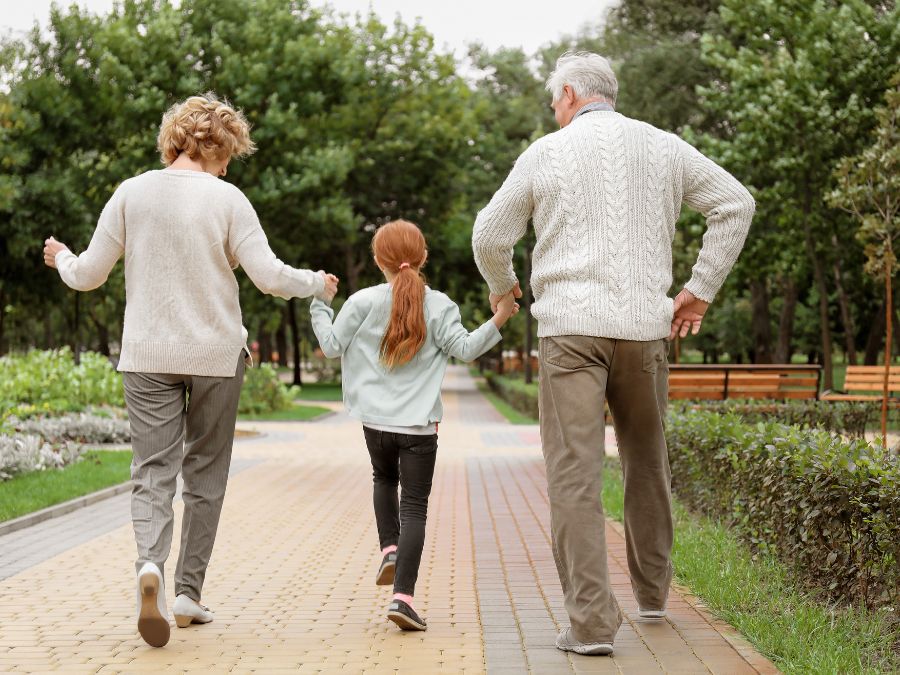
<point x="604" y="193"/>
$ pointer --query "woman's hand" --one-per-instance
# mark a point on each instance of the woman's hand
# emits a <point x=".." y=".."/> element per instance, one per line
<point x="51" y="248"/>
<point x="331" y="286"/>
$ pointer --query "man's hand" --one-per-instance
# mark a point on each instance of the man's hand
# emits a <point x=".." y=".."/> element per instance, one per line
<point x="506" y="307"/>
<point x="688" y="314"/>
<point x="494" y="298"/>
<point x="51" y="248"/>
<point x="331" y="286"/>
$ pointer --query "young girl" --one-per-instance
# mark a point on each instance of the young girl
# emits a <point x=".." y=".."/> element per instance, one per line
<point x="395" y="340"/>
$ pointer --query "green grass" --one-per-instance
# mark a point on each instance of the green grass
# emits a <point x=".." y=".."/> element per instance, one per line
<point x="296" y="413"/>
<point x="511" y="414"/>
<point x="327" y="391"/>
<point x="756" y="596"/>
<point x="39" y="489"/>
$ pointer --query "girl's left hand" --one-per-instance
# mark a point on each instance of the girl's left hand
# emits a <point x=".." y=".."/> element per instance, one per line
<point x="51" y="248"/>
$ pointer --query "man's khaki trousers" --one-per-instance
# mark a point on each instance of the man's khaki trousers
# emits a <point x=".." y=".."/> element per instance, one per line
<point x="577" y="375"/>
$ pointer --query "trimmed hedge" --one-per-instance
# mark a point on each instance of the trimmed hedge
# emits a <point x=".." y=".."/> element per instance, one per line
<point x="523" y="397"/>
<point x="828" y="507"/>
<point x="842" y="417"/>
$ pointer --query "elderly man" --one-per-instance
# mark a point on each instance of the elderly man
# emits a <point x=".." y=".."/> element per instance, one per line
<point x="604" y="193"/>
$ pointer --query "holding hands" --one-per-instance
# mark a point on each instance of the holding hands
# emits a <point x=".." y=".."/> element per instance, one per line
<point x="505" y="306"/>
<point x="331" y="286"/>
<point x="51" y="248"/>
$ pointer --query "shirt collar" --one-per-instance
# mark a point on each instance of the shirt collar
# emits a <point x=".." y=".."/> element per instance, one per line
<point x="591" y="107"/>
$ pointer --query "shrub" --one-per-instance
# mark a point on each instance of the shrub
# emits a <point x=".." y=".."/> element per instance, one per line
<point x="78" y="427"/>
<point x="263" y="392"/>
<point x="21" y="453"/>
<point x="842" y="417"/>
<point x="523" y="397"/>
<point x="828" y="507"/>
<point x="42" y="382"/>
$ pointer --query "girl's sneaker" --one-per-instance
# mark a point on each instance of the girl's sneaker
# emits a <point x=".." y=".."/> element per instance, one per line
<point x="385" y="576"/>
<point x="405" y="616"/>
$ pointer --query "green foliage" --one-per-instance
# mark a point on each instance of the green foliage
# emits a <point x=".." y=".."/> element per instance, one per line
<point x="758" y="595"/>
<point x="39" y="489"/>
<point x="869" y="188"/>
<point x="263" y="392"/>
<point x="321" y="392"/>
<point x="828" y="507"/>
<point x="512" y="415"/>
<point x="522" y="397"/>
<point x="42" y="382"/>
<point x="843" y="417"/>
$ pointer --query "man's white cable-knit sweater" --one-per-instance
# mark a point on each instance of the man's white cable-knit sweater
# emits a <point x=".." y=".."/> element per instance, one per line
<point x="182" y="234"/>
<point x="604" y="194"/>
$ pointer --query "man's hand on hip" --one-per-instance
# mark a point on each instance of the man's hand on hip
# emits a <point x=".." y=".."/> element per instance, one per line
<point x="516" y="292"/>
<point x="688" y="315"/>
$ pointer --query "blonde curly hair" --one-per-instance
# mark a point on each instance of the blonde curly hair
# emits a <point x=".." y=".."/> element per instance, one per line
<point x="204" y="127"/>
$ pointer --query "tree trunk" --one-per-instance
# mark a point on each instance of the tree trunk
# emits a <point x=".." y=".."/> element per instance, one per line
<point x="846" y="311"/>
<point x="824" y="325"/>
<point x="876" y="336"/>
<point x="295" y="342"/>
<point x="761" y="321"/>
<point x="281" y="342"/>
<point x="3" y="348"/>
<point x="353" y="267"/>
<point x="265" y="346"/>
<point x="887" y="342"/>
<point x="102" y="335"/>
<point x="526" y="296"/>
<point x="784" y="350"/>
<point x="76" y="342"/>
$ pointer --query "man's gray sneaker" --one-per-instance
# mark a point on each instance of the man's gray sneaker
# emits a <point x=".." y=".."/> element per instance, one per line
<point x="405" y="616"/>
<point x="567" y="642"/>
<point x="652" y="613"/>
<point x="385" y="576"/>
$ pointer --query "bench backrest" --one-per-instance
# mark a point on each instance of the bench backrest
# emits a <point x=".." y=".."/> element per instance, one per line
<point x="871" y="379"/>
<point x="741" y="382"/>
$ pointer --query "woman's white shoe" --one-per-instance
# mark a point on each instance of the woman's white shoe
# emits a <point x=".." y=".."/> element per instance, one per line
<point x="188" y="611"/>
<point x="153" y="621"/>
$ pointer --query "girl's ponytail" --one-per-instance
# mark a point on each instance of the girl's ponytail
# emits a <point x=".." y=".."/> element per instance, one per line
<point x="399" y="247"/>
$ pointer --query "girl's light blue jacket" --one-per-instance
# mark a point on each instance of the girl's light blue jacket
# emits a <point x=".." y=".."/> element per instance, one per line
<point x="408" y="395"/>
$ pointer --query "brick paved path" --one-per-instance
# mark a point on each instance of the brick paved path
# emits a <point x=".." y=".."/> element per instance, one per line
<point x="291" y="579"/>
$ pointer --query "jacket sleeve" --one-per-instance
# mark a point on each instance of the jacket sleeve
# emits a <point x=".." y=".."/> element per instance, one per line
<point x="455" y="340"/>
<point x="335" y="335"/>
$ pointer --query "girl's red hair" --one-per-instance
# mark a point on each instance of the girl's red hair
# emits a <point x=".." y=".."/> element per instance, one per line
<point x="399" y="248"/>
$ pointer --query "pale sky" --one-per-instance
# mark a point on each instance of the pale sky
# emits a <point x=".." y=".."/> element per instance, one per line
<point x="454" y="23"/>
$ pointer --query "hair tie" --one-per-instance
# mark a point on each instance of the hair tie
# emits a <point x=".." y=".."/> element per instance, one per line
<point x="403" y="266"/>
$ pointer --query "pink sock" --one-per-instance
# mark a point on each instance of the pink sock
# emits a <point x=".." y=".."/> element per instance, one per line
<point x="408" y="599"/>
<point x="388" y="549"/>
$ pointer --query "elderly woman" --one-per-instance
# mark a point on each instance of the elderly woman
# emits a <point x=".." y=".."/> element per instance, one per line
<point x="182" y="233"/>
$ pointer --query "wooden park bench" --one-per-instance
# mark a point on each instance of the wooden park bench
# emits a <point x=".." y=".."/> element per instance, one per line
<point x="866" y="383"/>
<point x="737" y="381"/>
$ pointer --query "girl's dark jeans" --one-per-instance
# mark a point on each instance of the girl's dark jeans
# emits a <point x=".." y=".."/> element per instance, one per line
<point x="406" y="460"/>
